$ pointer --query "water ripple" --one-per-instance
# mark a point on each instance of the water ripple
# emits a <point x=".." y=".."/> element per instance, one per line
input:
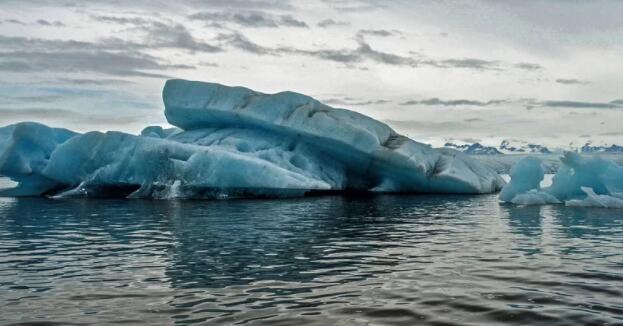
<point x="395" y="260"/>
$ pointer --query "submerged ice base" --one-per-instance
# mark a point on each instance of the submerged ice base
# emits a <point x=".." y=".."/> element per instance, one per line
<point x="580" y="181"/>
<point x="232" y="142"/>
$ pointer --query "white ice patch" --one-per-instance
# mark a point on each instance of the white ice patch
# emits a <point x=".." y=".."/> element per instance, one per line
<point x="594" y="200"/>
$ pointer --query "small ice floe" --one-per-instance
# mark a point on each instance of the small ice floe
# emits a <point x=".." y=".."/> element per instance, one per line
<point x="581" y="181"/>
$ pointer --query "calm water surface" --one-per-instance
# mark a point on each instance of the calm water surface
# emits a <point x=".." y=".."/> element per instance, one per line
<point x="389" y="260"/>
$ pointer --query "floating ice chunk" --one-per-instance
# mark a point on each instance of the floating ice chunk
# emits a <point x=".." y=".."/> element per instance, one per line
<point x="101" y="163"/>
<point x="369" y="150"/>
<point x="581" y="181"/>
<point x="526" y="175"/>
<point x="594" y="200"/>
<point x="578" y="171"/>
<point x="25" y="153"/>
<point x="237" y="142"/>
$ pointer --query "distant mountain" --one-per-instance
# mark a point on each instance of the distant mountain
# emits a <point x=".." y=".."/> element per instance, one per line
<point x="474" y="149"/>
<point x="515" y="146"/>
<point x="522" y="147"/>
<point x="506" y="147"/>
<point x="588" y="148"/>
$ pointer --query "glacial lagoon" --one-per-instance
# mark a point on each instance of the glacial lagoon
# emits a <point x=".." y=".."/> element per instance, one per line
<point x="384" y="259"/>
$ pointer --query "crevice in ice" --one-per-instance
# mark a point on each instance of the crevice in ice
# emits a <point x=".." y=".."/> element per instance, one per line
<point x="394" y="141"/>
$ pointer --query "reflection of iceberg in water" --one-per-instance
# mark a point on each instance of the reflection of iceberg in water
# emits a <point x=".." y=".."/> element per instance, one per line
<point x="192" y="260"/>
<point x="527" y="221"/>
<point x="224" y="243"/>
<point x="542" y="227"/>
<point x="586" y="223"/>
<point x="213" y="244"/>
<point x="235" y="142"/>
<point x="269" y="237"/>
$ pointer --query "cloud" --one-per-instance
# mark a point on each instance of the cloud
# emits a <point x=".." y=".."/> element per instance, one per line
<point x="377" y="32"/>
<point x="349" y="101"/>
<point x="38" y="98"/>
<point x="288" y="20"/>
<point x="42" y="22"/>
<point x="246" y="4"/>
<point x="571" y="81"/>
<point x="112" y="56"/>
<point x="431" y="126"/>
<point x="254" y="19"/>
<point x="118" y="64"/>
<point x="21" y="43"/>
<point x="98" y="82"/>
<point x="470" y="63"/>
<point x="531" y="103"/>
<point x="27" y="113"/>
<point x="330" y="22"/>
<point x="528" y="66"/>
<point x="11" y="115"/>
<point x="241" y="42"/>
<point x="460" y="102"/>
<point x="14" y="21"/>
<point x="122" y="20"/>
<point x="161" y="35"/>
<point x="14" y="66"/>
<point x="580" y="105"/>
<point x="364" y="51"/>
<point x="54" y="23"/>
<point x="157" y="36"/>
<point x="355" y="5"/>
<point x="617" y="133"/>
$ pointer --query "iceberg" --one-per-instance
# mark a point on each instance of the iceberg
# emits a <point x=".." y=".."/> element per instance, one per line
<point x="235" y="142"/>
<point x="580" y="181"/>
<point x="25" y="149"/>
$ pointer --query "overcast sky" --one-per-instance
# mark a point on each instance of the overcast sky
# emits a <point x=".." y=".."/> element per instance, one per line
<point x="541" y="71"/>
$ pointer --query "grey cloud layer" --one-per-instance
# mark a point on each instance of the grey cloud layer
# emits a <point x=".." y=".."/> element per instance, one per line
<point x="459" y="102"/>
<point x="122" y="57"/>
<point x="109" y="44"/>
<point x="248" y="19"/>
<point x="364" y="51"/>
<point x="583" y="105"/>
<point x="330" y="22"/>
<point x="350" y="101"/>
<point x="113" y="56"/>
<point x="571" y="81"/>
<point x="530" y="103"/>
<point x="8" y="114"/>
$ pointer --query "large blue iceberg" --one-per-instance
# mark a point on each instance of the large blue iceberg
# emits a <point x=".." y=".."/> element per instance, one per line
<point x="580" y="181"/>
<point x="233" y="142"/>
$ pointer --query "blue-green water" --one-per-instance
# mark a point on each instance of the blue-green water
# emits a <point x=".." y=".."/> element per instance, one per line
<point x="436" y="260"/>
